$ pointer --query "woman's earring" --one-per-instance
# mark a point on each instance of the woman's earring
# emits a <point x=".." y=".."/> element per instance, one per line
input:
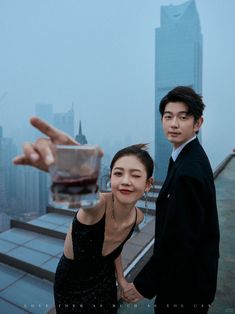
<point x="146" y="206"/>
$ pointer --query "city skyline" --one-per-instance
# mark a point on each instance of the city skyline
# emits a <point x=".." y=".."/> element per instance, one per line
<point x="100" y="56"/>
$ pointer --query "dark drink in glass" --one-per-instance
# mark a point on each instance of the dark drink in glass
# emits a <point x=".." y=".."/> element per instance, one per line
<point x="74" y="176"/>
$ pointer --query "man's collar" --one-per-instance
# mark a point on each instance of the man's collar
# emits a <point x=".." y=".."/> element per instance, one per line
<point x="176" y="152"/>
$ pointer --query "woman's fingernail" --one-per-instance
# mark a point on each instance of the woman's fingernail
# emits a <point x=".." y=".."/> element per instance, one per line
<point x="49" y="159"/>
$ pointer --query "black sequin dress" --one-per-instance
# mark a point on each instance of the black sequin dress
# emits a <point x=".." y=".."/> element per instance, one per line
<point x="87" y="284"/>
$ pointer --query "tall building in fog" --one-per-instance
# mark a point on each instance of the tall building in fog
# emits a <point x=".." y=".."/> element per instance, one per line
<point x="80" y="137"/>
<point x="65" y="121"/>
<point x="178" y="61"/>
<point x="4" y="222"/>
<point x="7" y="172"/>
<point x="27" y="192"/>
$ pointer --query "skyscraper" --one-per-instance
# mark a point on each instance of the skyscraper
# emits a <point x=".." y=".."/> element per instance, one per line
<point x="27" y="192"/>
<point x="178" y="61"/>
<point x="65" y="121"/>
<point x="7" y="172"/>
<point x="80" y="137"/>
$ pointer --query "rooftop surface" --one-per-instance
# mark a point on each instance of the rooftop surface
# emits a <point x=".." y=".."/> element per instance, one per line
<point x="29" y="253"/>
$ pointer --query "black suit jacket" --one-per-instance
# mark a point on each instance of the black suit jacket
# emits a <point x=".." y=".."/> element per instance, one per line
<point x="186" y="250"/>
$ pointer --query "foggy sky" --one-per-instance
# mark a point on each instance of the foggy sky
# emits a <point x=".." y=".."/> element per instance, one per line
<point x="99" y="55"/>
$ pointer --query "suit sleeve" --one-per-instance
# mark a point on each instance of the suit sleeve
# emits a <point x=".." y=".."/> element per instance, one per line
<point x="179" y="240"/>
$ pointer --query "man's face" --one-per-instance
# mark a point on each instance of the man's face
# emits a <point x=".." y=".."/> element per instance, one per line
<point x="178" y="125"/>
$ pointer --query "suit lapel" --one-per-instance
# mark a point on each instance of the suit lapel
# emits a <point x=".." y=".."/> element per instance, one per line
<point x="167" y="181"/>
<point x="176" y="164"/>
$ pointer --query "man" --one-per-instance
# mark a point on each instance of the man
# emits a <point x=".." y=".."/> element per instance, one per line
<point x="182" y="271"/>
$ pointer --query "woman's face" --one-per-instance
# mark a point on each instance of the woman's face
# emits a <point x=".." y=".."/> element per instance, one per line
<point x="128" y="179"/>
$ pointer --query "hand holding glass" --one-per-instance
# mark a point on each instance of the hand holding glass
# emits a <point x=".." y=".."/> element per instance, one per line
<point x="74" y="176"/>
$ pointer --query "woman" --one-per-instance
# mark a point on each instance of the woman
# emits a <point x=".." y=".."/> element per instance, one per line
<point x="85" y="279"/>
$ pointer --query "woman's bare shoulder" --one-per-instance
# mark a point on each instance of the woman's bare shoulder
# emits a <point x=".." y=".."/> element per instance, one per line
<point x="140" y="216"/>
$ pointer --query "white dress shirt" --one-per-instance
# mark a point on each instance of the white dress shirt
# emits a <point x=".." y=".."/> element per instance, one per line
<point x="176" y="152"/>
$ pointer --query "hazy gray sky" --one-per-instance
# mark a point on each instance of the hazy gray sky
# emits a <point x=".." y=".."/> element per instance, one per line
<point x="100" y="56"/>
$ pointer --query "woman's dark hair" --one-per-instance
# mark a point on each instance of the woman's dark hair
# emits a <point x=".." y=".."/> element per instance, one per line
<point x="187" y="96"/>
<point x="139" y="151"/>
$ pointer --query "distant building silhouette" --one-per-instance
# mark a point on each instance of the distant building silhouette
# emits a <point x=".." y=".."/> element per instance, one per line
<point x="28" y="190"/>
<point x="178" y="61"/>
<point x="62" y="120"/>
<point x="65" y="121"/>
<point x="80" y="137"/>
<point x="4" y="222"/>
<point x="7" y="172"/>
